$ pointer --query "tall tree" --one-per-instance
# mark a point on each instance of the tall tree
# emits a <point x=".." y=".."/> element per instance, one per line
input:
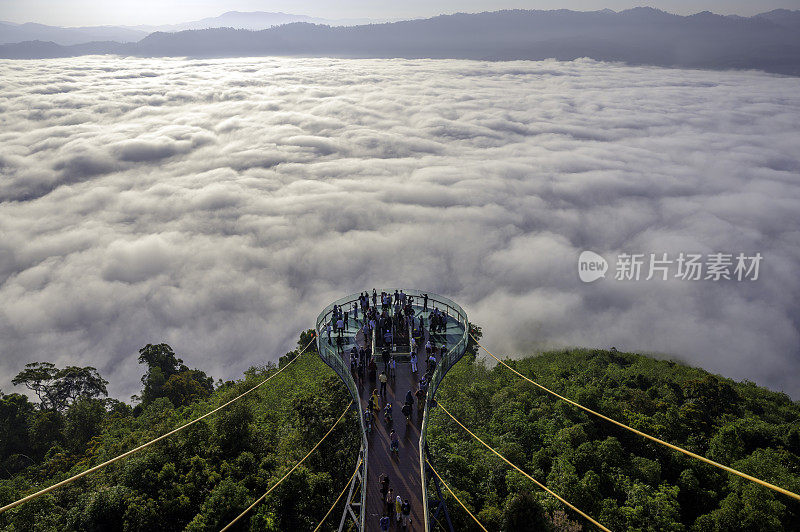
<point x="38" y="377"/>
<point x="167" y="376"/>
<point x="73" y="383"/>
<point x="57" y="388"/>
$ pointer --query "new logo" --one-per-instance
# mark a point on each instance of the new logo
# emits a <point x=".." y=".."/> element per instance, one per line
<point x="591" y="266"/>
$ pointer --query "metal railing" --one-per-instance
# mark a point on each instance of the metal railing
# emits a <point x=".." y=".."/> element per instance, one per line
<point x="333" y="359"/>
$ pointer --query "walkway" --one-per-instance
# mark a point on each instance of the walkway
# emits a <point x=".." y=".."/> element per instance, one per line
<point x="403" y="469"/>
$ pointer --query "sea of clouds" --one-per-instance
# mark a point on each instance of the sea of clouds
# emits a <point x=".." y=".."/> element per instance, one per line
<point x="219" y="205"/>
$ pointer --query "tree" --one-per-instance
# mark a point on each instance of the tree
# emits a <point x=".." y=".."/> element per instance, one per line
<point x="524" y="513"/>
<point x="46" y="431"/>
<point x="15" y="415"/>
<point x="57" y="388"/>
<point x="38" y="376"/>
<point x="167" y="376"/>
<point x="472" y="345"/>
<point x="187" y="386"/>
<point x="233" y="428"/>
<point x="160" y="356"/>
<point x="73" y="383"/>
<point x="83" y="421"/>
<point x="306" y="337"/>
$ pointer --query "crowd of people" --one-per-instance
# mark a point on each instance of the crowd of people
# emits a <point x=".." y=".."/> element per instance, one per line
<point x="397" y="510"/>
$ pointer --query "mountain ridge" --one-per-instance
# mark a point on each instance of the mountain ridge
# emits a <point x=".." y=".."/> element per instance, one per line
<point x="638" y="36"/>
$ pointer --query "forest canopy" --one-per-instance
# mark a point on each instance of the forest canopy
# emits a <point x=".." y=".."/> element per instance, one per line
<point x="203" y="477"/>
<point x="621" y="479"/>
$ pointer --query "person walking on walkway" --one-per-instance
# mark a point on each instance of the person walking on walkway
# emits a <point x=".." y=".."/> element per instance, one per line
<point x="384" y="485"/>
<point x="398" y="508"/>
<point x="420" y="401"/>
<point x="395" y="445"/>
<point x="385" y="356"/>
<point x="390" y="503"/>
<point x="376" y="400"/>
<point x="382" y="377"/>
<point x="384" y="523"/>
<point x="425" y="301"/>
<point x="393" y="368"/>
<point x="407" y="411"/>
<point x="409" y="398"/>
<point x="406" y="509"/>
<point x="371" y="370"/>
<point x="413" y="362"/>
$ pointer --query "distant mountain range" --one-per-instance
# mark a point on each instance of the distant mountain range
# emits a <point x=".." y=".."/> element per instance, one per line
<point x="253" y="20"/>
<point x="769" y="41"/>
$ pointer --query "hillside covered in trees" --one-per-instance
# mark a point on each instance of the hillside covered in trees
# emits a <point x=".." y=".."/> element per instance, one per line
<point x="621" y="479"/>
<point x="198" y="479"/>
<point x="204" y="476"/>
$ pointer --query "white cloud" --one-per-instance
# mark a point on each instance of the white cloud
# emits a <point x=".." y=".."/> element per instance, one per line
<point x="219" y="205"/>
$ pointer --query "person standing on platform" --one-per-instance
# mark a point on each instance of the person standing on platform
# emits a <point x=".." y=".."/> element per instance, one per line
<point x="382" y="377"/>
<point x="346" y="321"/>
<point x="425" y="301"/>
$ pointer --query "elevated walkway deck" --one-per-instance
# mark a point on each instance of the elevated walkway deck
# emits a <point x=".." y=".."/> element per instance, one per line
<point x="403" y="469"/>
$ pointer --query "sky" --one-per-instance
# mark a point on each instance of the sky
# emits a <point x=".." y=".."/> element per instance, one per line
<point x="220" y="205"/>
<point x="154" y="12"/>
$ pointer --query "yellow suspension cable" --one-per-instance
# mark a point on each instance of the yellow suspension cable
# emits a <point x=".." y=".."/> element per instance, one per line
<point x="229" y="525"/>
<point x="545" y="488"/>
<point x="456" y="496"/>
<point x="145" y="445"/>
<point x="652" y="438"/>
<point x="347" y="485"/>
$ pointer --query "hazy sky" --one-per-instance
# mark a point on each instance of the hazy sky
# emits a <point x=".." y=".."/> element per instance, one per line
<point x="131" y="12"/>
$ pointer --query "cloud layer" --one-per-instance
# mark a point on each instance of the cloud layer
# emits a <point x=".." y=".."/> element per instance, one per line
<point x="218" y="205"/>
